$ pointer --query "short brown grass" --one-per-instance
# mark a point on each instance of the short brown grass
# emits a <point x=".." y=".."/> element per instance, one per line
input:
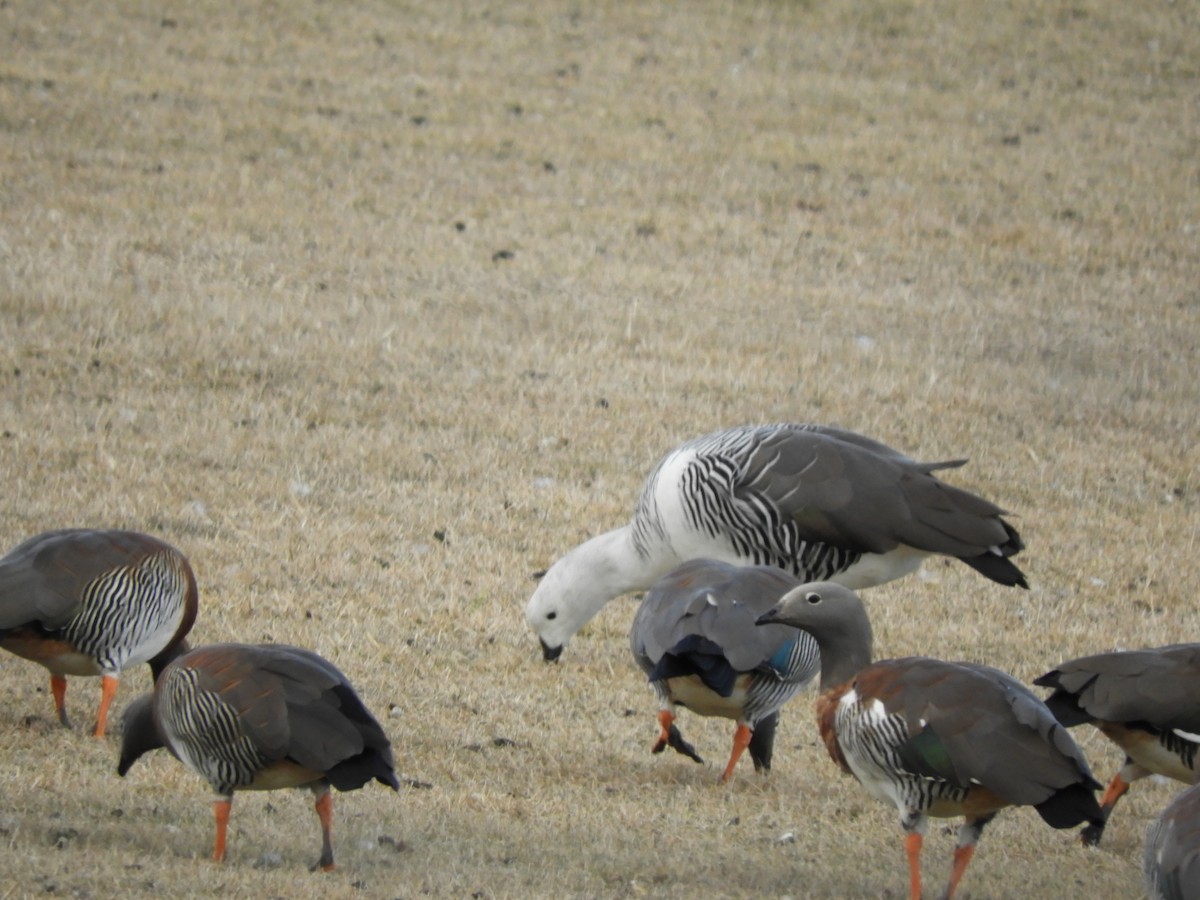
<point x="374" y="309"/>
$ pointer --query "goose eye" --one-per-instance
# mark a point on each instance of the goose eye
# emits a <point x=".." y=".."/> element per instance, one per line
<point x="813" y="597"/>
<point x="551" y="615"/>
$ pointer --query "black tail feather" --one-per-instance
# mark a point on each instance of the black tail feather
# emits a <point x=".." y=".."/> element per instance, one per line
<point x="1070" y="806"/>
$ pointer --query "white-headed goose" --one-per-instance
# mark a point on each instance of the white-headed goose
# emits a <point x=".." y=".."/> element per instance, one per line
<point x="821" y="503"/>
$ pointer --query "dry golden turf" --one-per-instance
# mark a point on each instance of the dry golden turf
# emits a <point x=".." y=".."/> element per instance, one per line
<point x="375" y="309"/>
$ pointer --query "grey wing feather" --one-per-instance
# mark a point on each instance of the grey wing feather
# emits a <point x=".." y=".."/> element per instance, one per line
<point x="716" y="601"/>
<point x="1159" y="686"/>
<point x="320" y="733"/>
<point x="850" y="491"/>
<point x="993" y="730"/>
<point x="41" y="579"/>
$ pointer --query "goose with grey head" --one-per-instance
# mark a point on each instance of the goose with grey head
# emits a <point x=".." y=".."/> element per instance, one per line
<point x="696" y="639"/>
<point x="819" y="502"/>
<point x="935" y="738"/>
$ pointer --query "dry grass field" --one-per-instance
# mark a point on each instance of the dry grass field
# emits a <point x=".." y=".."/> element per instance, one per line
<point x="375" y="309"/>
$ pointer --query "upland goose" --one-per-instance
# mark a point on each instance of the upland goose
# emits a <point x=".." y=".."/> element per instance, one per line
<point x="261" y="717"/>
<point x="1147" y="702"/>
<point x="1171" y="860"/>
<point x="819" y="502"/>
<point x="695" y="638"/>
<point x="84" y="602"/>
<point x="935" y="738"/>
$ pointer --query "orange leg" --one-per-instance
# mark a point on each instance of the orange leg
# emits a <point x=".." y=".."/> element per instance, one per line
<point x="962" y="856"/>
<point x="221" y="808"/>
<point x="912" y="849"/>
<point x="108" y="690"/>
<point x="741" y="740"/>
<point x="324" y="807"/>
<point x="58" y="688"/>
<point x="666" y="719"/>
<point x="1115" y="790"/>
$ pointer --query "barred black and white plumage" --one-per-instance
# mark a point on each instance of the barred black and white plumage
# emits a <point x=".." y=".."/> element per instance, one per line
<point x="205" y="732"/>
<point x="1147" y="702"/>
<point x="261" y="717"/>
<point x="821" y="503"/>
<point x="88" y="602"/>
<point x="695" y="638"/>
<point x="935" y="738"/>
<point x="124" y="611"/>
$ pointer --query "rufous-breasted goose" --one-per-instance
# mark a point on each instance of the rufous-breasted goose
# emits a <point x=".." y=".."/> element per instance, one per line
<point x="86" y="602"/>
<point x="822" y="503"/>
<point x="935" y="738"/>
<point x="261" y="717"/>
<point x="1171" y="859"/>
<point x="1147" y="702"/>
<point x="696" y="639"/>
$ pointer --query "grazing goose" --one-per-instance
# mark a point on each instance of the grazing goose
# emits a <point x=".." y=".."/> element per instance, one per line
<point x="83" y="602"/>
<point x="935" y="738"/>
<point x="819" y="502"/>
<point x="695" y="638"/>
<point x="1171" y="860"/>
<point x="1147" y="702"/>
<point x="261" y="717"/>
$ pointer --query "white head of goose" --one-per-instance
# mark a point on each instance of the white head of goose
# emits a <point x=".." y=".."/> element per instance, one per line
<point x="935" y="738"/>
<point x="821" y="503"/>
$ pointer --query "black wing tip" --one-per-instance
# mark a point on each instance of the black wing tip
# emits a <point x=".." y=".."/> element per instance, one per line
<point x="999" y="569"/>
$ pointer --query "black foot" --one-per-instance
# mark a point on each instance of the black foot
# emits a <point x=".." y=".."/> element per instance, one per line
<point x="676" y="742"/>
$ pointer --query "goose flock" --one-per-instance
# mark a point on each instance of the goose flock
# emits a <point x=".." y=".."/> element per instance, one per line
<point x="750" y="545"/>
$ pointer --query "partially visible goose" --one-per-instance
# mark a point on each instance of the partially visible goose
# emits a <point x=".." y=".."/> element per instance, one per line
<point x="261" y="717"/>
<point x="85" y="602"/>
<point x="1147" y="702"/>
<point x="935" y="738"/>
<point x="695" y="638"/>
<point x="1171" y="860"/>
<point x="821" y="503"/>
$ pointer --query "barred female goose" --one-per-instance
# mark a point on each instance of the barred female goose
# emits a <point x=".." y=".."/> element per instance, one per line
<point x="83" y="602"/>
<point x="261" y="717"/>
<point x="819" y="502"/>
<point x="695" y="638"/>
<point x="1147" y="702"/>
<point x="935" y="738"/>
<point x="1171" y="860"/>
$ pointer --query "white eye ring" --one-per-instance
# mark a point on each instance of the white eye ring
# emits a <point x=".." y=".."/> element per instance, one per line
<point x="813" y="597"/>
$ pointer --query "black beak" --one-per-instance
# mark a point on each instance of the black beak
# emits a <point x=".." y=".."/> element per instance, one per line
<point x="550" y="654"/>
<point x="766" y="618"/>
